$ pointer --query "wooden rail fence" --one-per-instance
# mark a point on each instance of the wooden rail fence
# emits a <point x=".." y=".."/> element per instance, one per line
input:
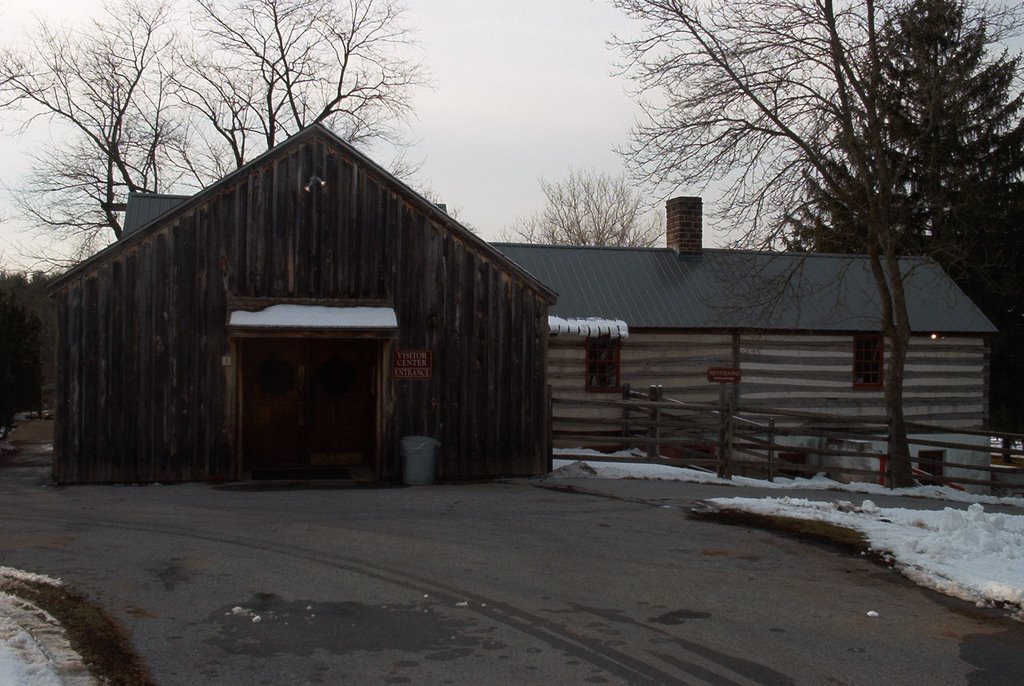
<point x="765" y="443"/>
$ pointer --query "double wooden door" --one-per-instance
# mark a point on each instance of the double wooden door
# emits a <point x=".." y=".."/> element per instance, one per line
<point x="308" y="404"/>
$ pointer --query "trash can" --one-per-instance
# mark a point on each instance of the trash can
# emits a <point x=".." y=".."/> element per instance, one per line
<point x="419" y="456"/>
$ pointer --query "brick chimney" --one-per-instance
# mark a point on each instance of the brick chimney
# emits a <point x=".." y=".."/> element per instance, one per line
<point x="684" y="225"/>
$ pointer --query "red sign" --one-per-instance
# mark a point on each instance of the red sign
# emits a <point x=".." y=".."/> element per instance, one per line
<point x="413" y="365"/>
<point x="723" y="374"/>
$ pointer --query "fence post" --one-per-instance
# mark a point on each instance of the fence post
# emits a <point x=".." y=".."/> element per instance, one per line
<point x="625" y="409"/>
<point x="549" y="440"/>
<point x="771" y="448"/>
<point x="654" y="393"/>
<point x="724" y="433"/>
<point x="730" y="433"/>
<point x="888" y="456"/>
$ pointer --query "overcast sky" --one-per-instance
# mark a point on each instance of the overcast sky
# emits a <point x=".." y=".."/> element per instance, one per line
<point x="521" y="90"/>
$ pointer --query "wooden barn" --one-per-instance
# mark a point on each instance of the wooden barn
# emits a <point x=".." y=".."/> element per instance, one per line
<point x="803" y="329"/>
<point x="298" y="318"/>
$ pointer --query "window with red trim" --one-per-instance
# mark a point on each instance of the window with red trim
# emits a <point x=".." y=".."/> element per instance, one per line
<point x="867" y="361"/>
<point x="603" y="364"/>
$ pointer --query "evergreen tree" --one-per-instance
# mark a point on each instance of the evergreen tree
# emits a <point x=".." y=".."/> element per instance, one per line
<point x="20" y="368"/>
<point x="31" y="292"/>
<point x="959" y="127"/>
<point x="956" y="129"/>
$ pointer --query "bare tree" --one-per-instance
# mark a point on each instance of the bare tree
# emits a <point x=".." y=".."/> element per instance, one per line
<point x="131" y="110"/>
<point x="260" y="70"/>
<point x="102" y="87"/>
<point x="589" y="208"/>
<point x="766" y="94"/>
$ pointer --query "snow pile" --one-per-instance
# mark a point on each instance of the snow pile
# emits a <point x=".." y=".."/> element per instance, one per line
<point x="22" y="661"/>
<point x="34" y="650"/>
<point x="972" y="554"/>
<point x="577" y="452"/>
<point x="28" y="577"/>
<point x="577" y="470"/>
<point x="588" y="327"/>
<point x="630" y="470"/>
<point x="316" y="317"/>
<point x="625" y="470"/>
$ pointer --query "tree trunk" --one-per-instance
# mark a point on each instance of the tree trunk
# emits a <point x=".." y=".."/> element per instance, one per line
<point x="900" y="473"/>
<point x="898" y="325"/>
<point x="885" y="266"/>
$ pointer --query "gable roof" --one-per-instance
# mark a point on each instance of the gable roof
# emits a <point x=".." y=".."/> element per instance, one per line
<point x="731" y="289"/>
<point x="169" y="207"/>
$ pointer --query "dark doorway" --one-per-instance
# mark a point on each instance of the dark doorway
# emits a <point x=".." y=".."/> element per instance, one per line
<point x="793" y="465"/>
<point x="308" y="407"/>
<point x="930" y="462"/>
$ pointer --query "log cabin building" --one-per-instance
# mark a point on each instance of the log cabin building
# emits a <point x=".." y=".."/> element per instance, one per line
<point x="298" y="317"/>
<point x="803" y="329"/>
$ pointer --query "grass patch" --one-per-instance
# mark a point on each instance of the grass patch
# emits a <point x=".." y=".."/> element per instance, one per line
<point x="101" y="641"/>
<point x="831" y="535"/>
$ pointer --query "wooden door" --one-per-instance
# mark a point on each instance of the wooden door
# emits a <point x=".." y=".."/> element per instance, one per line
<point x="273" y="382"/>
<point x="309" y="406"/>
<point x="342" y="416"/>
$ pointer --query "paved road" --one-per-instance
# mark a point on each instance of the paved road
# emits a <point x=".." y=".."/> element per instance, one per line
<point x="494" y="583"/>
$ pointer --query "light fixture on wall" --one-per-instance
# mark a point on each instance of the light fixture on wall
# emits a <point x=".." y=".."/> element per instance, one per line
<point x="314" y="182"/>
<point x="937" y="336"/>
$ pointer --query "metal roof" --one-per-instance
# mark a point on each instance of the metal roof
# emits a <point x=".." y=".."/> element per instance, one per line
<point x="145" y="207"/>
<point x="658" y="288"/>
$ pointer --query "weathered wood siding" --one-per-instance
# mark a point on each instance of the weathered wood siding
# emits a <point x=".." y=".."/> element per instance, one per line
<point x="677" y="361"/>
<point x="143" y="391"/>
<point x="487" y="402"/>
<point x="946" y="380"/>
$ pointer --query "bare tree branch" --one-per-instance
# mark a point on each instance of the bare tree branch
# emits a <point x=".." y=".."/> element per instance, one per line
<point x="589" y="208"/>
<point x="261" y="70"/>
<point x="139" y="107"/>
<point x="104" y="85"/>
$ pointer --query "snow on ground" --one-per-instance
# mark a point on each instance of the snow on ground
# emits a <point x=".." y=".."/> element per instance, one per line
<point x="34" y="651"/>
<point x="22" y="661"/>
<point x="567" y="468"/>
<point x="972" y="554"/>
<point x="18" y="575"/>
